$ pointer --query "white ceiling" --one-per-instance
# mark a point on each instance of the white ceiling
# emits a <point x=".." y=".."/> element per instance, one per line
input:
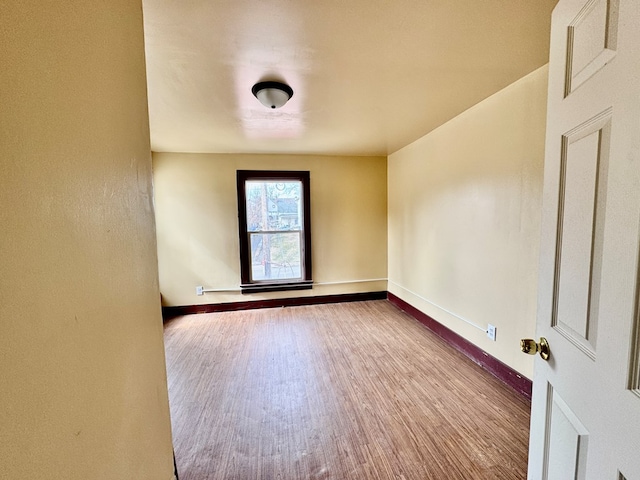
<point x="369" y="76"/>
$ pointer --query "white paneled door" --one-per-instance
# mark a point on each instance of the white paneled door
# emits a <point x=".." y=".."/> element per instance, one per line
<point x="585" y="421"/>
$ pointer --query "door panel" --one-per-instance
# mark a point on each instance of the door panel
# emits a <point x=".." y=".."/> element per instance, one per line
<point x="568" y="442"/>
<point x="591" y="44"/>
<point x="585" y="417"/>
<point x="583" y="175"/>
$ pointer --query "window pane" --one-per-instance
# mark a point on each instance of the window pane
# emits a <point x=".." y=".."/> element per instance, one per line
<point x="273" y="205"/>
<point x="275" y="256"/>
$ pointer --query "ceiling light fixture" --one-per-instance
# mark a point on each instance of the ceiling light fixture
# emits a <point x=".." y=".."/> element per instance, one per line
<point x="272" y="94"/>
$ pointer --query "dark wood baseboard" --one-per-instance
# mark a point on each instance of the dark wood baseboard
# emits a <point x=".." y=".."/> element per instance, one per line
<point x="503" y="372"/>
<point x="171" y="312"/>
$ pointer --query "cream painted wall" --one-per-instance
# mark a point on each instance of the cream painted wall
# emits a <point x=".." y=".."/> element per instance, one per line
<point x="84" y="391"/>
<point x="197" y="223"/>
<point x="464" y="226"/>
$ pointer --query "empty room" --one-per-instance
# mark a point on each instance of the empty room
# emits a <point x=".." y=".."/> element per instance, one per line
<point x="320" y="240"/>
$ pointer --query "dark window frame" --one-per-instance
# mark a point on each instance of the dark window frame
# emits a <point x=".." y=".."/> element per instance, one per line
<point x="256" y="286"/>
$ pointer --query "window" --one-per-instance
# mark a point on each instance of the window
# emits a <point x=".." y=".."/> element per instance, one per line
<point x="275" y="235"/>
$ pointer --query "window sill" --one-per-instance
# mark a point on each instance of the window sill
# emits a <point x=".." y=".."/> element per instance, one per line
<point x="275" y="287"/>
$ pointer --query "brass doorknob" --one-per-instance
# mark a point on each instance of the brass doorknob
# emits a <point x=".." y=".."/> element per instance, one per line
<point x="528" y="345"/>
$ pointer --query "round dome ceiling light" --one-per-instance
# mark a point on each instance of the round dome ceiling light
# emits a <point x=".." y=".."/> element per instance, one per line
<point x="272" y="94"/>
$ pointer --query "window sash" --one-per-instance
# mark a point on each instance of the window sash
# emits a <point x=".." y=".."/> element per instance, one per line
<point x="277" y="269"/>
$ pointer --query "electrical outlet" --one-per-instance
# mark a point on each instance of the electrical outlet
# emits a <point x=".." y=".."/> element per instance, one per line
<point x="491" y="332"/>
<point x="200" y="290"/>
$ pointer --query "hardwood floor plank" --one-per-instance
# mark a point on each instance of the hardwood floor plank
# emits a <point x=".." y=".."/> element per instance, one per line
<point x="339" y="391"/>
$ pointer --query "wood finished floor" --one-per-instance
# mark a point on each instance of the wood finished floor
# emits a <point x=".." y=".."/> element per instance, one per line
<point x="340" y="391"/>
